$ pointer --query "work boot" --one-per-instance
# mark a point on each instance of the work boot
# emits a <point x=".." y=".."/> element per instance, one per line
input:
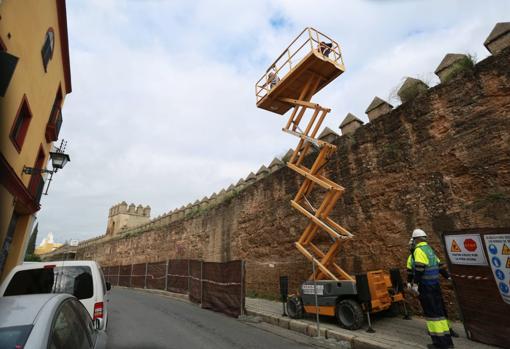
<point x="453" y="333"/>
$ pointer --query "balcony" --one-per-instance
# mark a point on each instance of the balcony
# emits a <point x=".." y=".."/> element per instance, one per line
<point x="36" y="187"/>
<point x="54" y="124"/>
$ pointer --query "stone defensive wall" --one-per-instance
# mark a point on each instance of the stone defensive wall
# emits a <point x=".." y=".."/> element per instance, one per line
<point x="439" y="161"/>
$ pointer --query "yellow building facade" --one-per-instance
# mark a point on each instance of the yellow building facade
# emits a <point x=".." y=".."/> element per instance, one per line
<point x="35" y="77"/>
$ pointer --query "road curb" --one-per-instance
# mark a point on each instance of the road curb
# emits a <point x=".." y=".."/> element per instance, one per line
<point x="346" y="340"/>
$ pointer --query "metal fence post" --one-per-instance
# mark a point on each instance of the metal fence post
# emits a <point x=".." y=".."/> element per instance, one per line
<point x="146" y="270"/>
<point x="131" y="275"/>
<point x="316" y="300"/>
<point x="242" y="286"/>
<point x="189" y="276"/>
<point x="166" y="274"/>
<point x="118" y="275"/>
<point x="201" y="282"/>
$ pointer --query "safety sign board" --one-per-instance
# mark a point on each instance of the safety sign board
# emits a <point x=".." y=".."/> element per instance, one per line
<point x="498" y="252"/>
<point x="465" y="249"/>
<point x="311" y="289"/>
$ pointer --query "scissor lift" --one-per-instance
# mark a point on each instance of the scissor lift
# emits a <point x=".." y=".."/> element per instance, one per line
<point x="307" y="65"/>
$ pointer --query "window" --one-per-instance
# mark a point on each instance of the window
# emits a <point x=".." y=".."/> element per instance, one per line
<point x="55" y="119"/>
<point x="20" y="126"/>
<point x="67" y="330"/>
<point x="76" y="280"/>
<point x="85" y="316"/>
<point x="15" y="336"/>
<point x="47" y="49"/>
<point x="8" y="64"/>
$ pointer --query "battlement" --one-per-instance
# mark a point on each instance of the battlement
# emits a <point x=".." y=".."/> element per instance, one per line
<point x="123" y="208"/>
<point x="123" y="216"/>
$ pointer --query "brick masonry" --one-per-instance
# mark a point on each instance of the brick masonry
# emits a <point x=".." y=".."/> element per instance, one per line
<point x="440" y="162"/>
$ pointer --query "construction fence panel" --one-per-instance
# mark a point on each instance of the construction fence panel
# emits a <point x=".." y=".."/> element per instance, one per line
<point x="479" y="262"/>
<point x="110" y="274"/>
<point x="125" y="275"/>
<point x="216" y="286"/>
<point x="178" y="276"/>
<point x="156" y="273"/>
<point x="138" y="275"/>
<point x="223" y="287"/>
<point x="195" y="281"/>
<point x="114" y="275"/>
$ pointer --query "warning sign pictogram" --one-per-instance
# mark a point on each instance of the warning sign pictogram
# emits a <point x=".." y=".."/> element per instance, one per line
<point x="470" y="245"/>
<point x="455" y="247"/>
<point x="506" y="249"/>
<point x="508" y="262"/>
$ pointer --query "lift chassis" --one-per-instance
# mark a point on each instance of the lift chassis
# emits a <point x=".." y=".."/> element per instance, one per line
<point x="308" y="64"/>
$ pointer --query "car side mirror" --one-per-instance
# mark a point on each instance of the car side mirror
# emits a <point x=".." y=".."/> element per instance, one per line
<point x="108" y="286"/>
<point x="98" y="324"/>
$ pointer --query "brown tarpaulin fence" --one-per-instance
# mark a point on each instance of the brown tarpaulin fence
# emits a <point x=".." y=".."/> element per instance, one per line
<point x="178" y="275"/>
<point x="125" y="275"/>
<point x="216" y="286"/>
<point x="480" y="290"/>
<point x="156" y="275"/>
<point x="195" y="281"/>
<point x="138" y="275"/>
<point x="223" y="287"/>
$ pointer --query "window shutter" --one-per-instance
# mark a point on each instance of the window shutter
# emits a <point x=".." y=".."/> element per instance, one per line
<point x="46" y="52"/>
<point x="7" y="66"/>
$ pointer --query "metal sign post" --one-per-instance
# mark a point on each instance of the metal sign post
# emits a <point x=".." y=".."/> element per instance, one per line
<point x="316" y="299"/>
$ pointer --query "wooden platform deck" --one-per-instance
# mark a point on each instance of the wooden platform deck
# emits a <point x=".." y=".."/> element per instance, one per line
<point x="290" y="86"/>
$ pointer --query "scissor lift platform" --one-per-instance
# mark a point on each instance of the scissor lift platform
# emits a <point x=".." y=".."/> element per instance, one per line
<point x="312" y="54"/>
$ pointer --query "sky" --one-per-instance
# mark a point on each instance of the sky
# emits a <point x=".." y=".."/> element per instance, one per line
<point x="163" y="110"/>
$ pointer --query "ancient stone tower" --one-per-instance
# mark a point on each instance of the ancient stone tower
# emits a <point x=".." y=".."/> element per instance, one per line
<point x="122" y="217"/>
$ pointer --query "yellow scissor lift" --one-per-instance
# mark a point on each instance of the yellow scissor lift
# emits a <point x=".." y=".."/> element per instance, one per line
<point x="308" y="64"/>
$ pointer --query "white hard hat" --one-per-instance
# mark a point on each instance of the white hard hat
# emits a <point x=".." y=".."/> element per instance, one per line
<point x="418" y="233"/>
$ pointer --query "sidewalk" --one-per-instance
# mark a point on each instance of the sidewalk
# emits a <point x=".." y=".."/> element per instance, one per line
<point x="394" y="333"/>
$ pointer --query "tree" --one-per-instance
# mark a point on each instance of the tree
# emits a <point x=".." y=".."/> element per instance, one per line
<point x="29" y="255"/>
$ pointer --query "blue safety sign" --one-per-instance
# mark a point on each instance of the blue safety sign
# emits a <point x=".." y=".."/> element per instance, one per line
<point x="496" y="262"/>
<point x="498" y="251"/>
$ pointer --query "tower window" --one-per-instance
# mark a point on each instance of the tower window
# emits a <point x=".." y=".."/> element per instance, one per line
<point x="20" y="126"/>
<point x="47" y="49"/>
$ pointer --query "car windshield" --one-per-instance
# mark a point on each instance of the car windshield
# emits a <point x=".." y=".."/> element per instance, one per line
<point x="15" y="336"/>
<point x="76" y="280"/>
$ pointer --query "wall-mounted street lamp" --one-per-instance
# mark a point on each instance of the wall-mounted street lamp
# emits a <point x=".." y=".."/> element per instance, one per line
<point x="58" y="160"/>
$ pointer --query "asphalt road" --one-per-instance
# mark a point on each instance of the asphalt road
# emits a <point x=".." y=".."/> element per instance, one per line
<point x="143" y="320"/>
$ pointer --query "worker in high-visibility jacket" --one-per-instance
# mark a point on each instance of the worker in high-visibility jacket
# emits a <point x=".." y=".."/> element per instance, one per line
<point x="426" y="271"/>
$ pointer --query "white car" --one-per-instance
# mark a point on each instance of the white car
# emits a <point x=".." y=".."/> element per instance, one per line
<point x="83" y="279"/>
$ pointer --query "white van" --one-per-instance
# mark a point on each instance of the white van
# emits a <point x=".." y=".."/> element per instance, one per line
<point x="83" y="279"/>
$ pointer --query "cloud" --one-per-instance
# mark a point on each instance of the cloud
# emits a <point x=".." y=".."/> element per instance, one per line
<point x="163" y="108"/>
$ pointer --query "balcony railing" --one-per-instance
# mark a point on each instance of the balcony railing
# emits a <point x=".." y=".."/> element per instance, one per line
<point x="307" y="41"/>
<point x="36" y="187"/>
<point x="54" y="124"/>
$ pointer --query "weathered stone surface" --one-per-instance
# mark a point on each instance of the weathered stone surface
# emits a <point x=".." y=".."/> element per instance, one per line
<point x="328" y="135"/>
<point x="448" y="65"/>
<point x="350" y="124"/>
<point x="440" y="162"/>
<point x="410" y="89"/>
<point x="499" y="38"/>
<point x="377" y="108"/>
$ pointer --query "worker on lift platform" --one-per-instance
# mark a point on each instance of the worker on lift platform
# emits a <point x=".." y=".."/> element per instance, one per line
<point x="426" y="268"/>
